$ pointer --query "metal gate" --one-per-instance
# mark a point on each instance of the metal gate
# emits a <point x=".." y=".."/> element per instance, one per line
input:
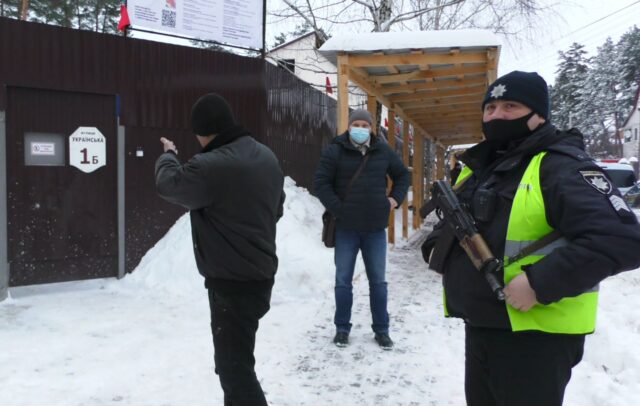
<point x="62" y="222"/>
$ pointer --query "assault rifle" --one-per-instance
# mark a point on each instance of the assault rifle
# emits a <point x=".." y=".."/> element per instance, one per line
<point x="446" y="203"/>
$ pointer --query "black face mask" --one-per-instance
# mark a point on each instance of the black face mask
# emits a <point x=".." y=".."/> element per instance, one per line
<point x="504" y="131"/>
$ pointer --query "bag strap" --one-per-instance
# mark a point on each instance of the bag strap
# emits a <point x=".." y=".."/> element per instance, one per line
<point x="355" y="175"/>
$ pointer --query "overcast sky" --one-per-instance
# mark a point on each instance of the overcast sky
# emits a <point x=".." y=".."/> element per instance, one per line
<point x="590" y="23"/>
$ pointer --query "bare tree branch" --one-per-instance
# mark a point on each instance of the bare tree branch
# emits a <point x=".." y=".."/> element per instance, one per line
<point x="311" y="21"/>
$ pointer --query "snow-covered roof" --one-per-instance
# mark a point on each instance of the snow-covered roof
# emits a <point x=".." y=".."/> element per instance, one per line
<point x="406" y="41"/>
<point x="291" y="41"/>
<point x="435" y="80"/>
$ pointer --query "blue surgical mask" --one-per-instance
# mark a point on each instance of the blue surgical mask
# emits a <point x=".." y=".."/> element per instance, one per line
<point x="359" y="135"/>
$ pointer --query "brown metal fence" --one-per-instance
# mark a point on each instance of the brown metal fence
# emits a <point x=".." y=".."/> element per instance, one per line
<point x="300" y="123"/>
<point x="155" y="85"/>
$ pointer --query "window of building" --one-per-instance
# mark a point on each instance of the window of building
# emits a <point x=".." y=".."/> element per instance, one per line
<point x="288" y="64"/>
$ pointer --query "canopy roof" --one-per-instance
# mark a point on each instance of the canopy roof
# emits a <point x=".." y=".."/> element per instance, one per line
<point x="433" y="79"/>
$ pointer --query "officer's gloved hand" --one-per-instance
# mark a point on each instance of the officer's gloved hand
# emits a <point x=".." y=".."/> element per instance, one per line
<point x="429" y="243"/>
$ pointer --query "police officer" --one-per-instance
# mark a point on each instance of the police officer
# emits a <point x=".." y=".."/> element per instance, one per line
<point x="527" y="183"/>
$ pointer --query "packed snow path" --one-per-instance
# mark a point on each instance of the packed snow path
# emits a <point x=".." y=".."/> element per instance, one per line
<point x="145" y="340"/>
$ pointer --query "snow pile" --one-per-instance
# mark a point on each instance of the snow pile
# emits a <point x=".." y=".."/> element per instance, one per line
<point x="307" y="266"/>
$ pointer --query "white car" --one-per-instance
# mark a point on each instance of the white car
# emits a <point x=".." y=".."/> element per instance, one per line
<point x="622" y="175"/>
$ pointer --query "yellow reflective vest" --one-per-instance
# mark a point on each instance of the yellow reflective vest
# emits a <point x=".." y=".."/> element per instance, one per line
<point x="528" y="223"/>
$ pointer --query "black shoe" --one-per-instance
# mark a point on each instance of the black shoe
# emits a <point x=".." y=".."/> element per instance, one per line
<point x="384" y="341"/>
<point x="341" y="339"/>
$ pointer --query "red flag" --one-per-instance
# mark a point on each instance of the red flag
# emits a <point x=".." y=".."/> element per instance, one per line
<point x="124" y="18"/>
<point x="328" y="86"/>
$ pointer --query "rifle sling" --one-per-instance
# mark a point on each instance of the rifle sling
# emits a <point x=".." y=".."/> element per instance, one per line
<point x="535" y="246"/>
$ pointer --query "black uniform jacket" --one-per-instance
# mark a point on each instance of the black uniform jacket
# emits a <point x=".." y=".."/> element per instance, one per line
<point x="366" y="207"/>
<point x="603" y="236"/>
<point x="234" y="191"/>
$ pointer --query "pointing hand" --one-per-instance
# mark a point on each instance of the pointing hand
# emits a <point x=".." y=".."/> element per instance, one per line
<point x="168" y="145"/>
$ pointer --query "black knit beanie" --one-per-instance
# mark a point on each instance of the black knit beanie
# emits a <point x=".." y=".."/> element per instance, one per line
<point x="210" y="115"/>
<point x="527" y="88"/>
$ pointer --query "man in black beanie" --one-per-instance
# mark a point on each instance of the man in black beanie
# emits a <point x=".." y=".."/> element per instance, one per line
<point x="233" y="190"/>
<point x="559" y="225"/>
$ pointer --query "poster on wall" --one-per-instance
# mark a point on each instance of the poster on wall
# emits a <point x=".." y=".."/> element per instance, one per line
<point x="232" y="22"/>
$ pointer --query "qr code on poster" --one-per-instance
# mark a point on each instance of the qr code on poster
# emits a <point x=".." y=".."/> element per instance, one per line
<point x="168" y="18"/>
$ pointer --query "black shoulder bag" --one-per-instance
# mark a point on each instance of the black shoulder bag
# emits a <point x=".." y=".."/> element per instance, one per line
<point x="328" y="219"/>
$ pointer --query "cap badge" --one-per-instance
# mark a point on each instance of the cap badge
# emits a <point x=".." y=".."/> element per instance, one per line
<point x="498" y="91"/>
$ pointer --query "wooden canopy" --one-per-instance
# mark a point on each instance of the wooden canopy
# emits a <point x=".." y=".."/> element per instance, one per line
<point x="434" y="80"/>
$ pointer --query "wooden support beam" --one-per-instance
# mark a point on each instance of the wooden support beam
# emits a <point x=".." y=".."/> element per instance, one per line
<point x="405" y="161"/>
<point x="343" y="93"/>
<point x="459" y="124"/>
<point x="417" y="109"/>
<point x="461" y="141"/>
<point x="440" y="163"/>
<point x="424" y="59"/>
<point x="456" y="72"/>
<point x="373" y="110"/>
<point x="431" y="85"/>
<point x="453" y="103"/>
<point x="418" y="178"/>
<point x="466" y="139"/>
<point x="366" y="85"/>
<point x="431" y="123"/>
<point x="462" y="135"/>
<point x="391" y="139"/>
<point x="448" y="132"/>
<point x="438" y="94"/>
<point x="390" y="69"/>
<point x="447" y="137"/>
<point x="430" y="115"/>
<point x="492" y="65"/>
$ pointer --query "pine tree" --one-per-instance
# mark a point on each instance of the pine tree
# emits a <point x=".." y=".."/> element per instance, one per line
<point x="600" y="103"/>
<point x="10" y="8"/>
<point x="571" y="76"/>
<point x="93" y="15"/>
<point x="629" y="62"/>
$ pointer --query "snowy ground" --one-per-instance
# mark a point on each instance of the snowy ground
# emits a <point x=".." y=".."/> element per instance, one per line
<point x="145" y="340"/>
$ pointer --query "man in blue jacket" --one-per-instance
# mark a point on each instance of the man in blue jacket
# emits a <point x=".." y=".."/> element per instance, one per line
<point x="362" y="214"/>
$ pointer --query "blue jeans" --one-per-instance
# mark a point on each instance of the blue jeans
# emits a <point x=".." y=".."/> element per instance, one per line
<point x="373" y="246"/>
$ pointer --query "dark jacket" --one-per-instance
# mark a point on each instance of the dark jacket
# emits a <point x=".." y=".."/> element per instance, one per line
<point x="366" y="207"/>
<point x="603" y="240"/>
<point x="455" y="172"/>
<point x="233" y="189"/>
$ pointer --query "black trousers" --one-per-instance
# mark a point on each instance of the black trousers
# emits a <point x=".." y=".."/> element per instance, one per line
<point x="234" y="323"/>
<point x="503" y="368"/>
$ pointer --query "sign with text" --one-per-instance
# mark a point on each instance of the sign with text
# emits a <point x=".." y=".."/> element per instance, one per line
<point x="87" y="149"/>
<point x="43" y="148"/>
<point x="233" y="22"/>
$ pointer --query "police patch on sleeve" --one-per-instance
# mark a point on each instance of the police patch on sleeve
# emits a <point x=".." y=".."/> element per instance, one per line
<point x="598" y="181"/>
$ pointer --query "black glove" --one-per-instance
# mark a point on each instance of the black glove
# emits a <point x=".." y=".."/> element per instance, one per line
<point x="429" y="243"/>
